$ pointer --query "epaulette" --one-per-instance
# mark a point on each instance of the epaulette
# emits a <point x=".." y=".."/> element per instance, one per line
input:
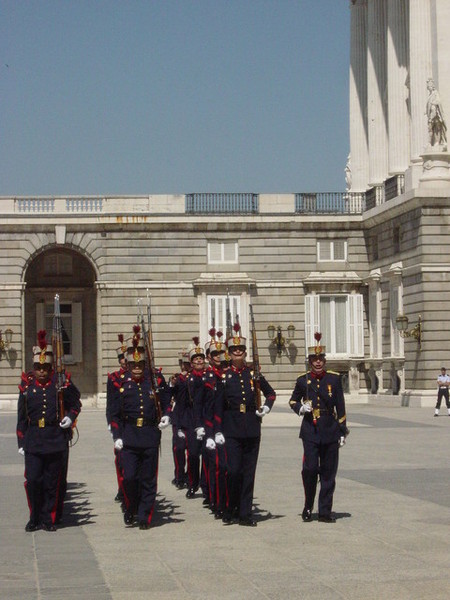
<point x="25" y="381"/>
<point x="303" y="374"/>
<point x="333" y="372"/>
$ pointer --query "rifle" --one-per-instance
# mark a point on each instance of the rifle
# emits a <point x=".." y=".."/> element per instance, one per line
<point x="256" y="367"/>
<point x="58" y="352"/>
<point x="229" y="326"/>
<point x="148" y="341"/>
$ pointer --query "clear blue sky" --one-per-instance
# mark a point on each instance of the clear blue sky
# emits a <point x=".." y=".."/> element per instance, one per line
<point x="163" y="96"/>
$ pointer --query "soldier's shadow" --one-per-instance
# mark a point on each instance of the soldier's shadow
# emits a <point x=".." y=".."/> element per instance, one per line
<point x="77" y="506"/>
<point x="338" y="515"/>
<point x="260" y="514"/>
<point x="166" y="512"/>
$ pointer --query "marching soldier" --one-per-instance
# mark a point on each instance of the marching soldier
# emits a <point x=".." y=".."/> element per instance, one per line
<point x="43" y="435"/>
<point x="136" y="429"/>
<point x="189" y="394"/>
<point x="218" y="366"/>
<point x="112" y="377"/>
<point x="178" y="436"/>
<point x="319" y="398"/>
<point x="239" y="422"/>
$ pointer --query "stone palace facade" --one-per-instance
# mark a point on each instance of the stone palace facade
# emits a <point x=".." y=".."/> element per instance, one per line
<point x="351" y="264"/>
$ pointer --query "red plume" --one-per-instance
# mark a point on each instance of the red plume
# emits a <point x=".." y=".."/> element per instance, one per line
<point x="136" y="328"/>
<point x="41" y="339"/>
<point x="212" y="332"/>
<point x="196" y="340"/>
<point x="219" y="334"/>
<point x="237" y="327"/>
<point x="120" y="336"/>
<point x="317" y="336"/>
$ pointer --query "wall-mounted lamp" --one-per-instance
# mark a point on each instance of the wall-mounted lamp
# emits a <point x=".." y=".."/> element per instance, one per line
<point x="5" y="339"/>
<point x="275" y="334"/>
<point x="416" y="332"/>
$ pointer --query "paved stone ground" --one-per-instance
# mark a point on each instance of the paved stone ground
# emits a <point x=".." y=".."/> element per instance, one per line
<point x="391" y="539"/>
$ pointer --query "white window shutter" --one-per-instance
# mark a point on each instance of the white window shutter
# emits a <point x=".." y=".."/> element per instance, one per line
<point x="356" y="325"/>
<point x="312" y="324"/>
<point x="77" y="338"/>
<point x="214" y="252"/>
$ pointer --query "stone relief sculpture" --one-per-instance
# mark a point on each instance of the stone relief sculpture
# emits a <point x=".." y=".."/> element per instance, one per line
<point x="437" y="129"/>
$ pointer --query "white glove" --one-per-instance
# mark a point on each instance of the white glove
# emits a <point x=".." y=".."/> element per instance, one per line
<point x="200" y="431"/>
<point x="21" y="451"/>
<point x="118" y="444"/>
<point x="210" y="444"/>
<point x="219" y="439"/>
<point x="305" y="408"/>
<point x="66" y="423"/>
<point x="341" y="441"/>
<point x="181" y="434"/>
<point x="264" y="411"/>
<point x="165" y="422"/>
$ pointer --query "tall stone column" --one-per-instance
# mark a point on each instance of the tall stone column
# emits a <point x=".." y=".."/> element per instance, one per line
<point x="397" y="66"/>
<point x="377" y="92"/>
<point x="420" y="69"/>
<point x="359" y="157"/>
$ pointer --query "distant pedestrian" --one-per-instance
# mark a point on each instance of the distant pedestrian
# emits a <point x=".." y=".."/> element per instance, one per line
<point x="443" y="382"/>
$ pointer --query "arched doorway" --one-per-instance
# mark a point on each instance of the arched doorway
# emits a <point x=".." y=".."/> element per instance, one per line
<point x="67" y="273"/>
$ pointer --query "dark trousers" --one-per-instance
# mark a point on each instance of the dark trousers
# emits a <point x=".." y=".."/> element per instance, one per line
<point x="43" y="478"/>
<point x="242" y="456"/>
<point x="179" y="457"/>
<point x="208" y="477"/>
<point x="320" y="460"/>
<point x="140" y="477"/>
<point x="119" y="469"/>
<point x="442" y="393"/>
<point x="193" y="447"/>
<point x="221" y="494"/>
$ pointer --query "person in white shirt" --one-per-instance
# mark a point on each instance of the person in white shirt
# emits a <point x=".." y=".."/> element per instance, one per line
<point x="443" y="382"/>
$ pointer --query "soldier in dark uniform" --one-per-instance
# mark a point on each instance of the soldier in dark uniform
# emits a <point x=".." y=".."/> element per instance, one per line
<point x="136" y="429"/>
<point x="239" y="421"/>
<point x="318" y="396"/>
<point x="110" y="390"/>
<point x="217" y="367"/>
<point x="178" y="436"/>
<point x="43" y="435"/>
<point x="190" y="391"/>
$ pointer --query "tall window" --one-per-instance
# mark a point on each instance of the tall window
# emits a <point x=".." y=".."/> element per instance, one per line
<point x="332" y="250"/>
<point x="374" y="317"/>
<point x="340" y="320"/>
<point x="222" y="252"/>
<point x="221" y="308"/>
<point x="394" y="309"/>
<point x="71" y="327"/>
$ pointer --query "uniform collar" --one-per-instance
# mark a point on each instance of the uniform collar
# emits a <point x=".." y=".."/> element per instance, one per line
<point x="197" y="373"/>
<point x="318" y="376"/>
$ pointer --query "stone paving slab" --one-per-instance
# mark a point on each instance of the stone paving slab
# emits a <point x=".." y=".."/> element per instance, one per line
<point x="391" y="538"/>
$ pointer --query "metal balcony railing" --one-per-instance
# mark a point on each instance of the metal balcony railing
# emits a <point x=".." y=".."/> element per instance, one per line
<point x="238" y="204"/>
<point x="338" y="203"/>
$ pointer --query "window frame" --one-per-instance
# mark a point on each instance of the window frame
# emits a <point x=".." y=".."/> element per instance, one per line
<point x="332" y="250"/>
<point x="354" y="330"/>
<point x="222" y="260"/>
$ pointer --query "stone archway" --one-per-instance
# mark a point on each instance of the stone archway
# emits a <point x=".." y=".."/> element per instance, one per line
<point x="68" y="273"/>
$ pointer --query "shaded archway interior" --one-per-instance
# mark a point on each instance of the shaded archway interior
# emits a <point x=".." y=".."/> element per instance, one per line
<point x="70" y="274"/>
